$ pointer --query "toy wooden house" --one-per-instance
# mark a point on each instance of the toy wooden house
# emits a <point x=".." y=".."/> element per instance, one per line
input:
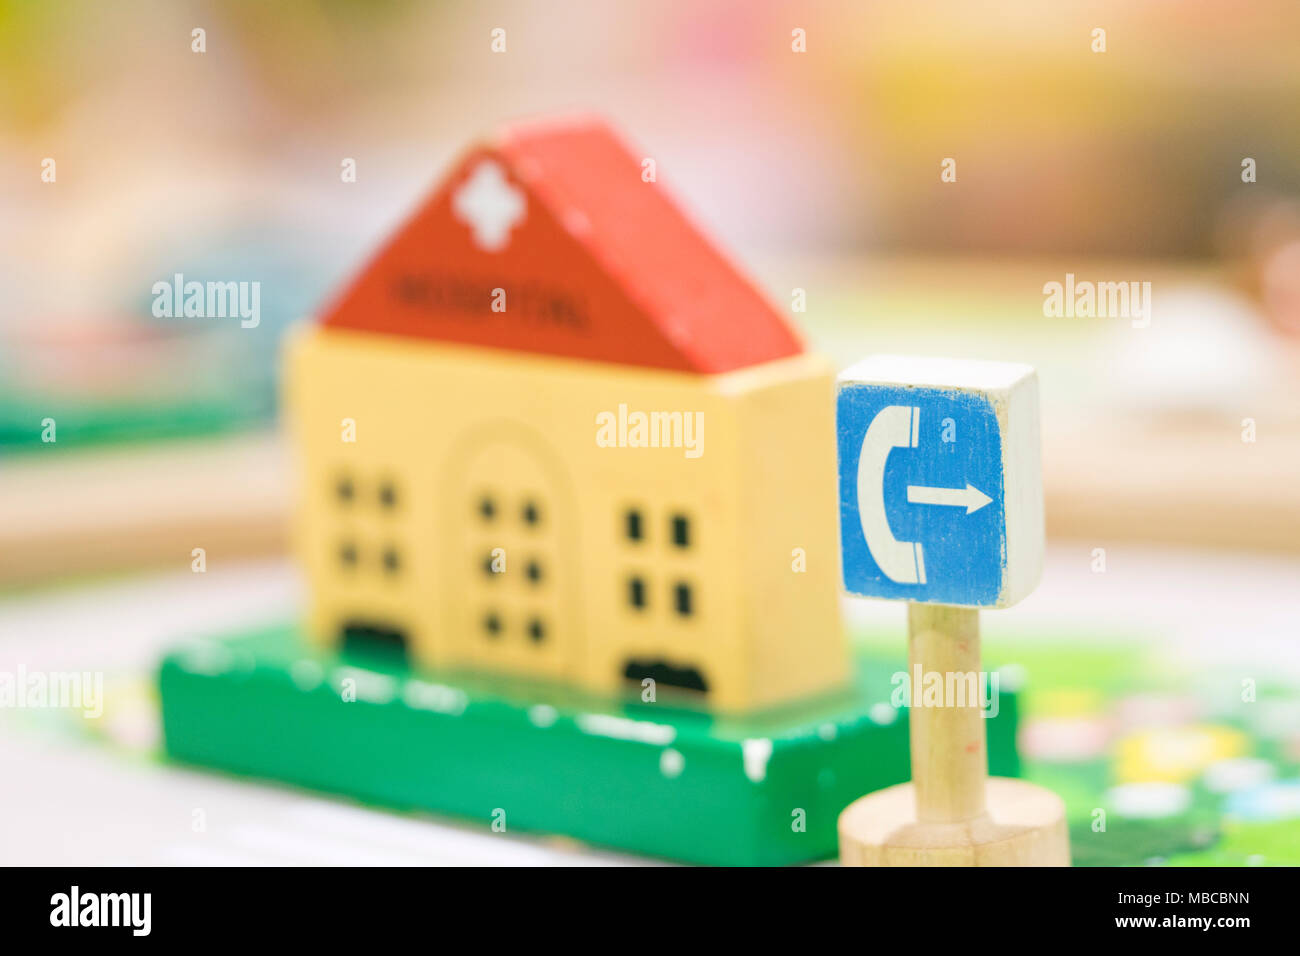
<point x="550" y="431"/>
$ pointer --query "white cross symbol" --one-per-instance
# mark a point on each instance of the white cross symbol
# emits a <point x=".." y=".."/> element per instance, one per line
<point x="489" y="205"/>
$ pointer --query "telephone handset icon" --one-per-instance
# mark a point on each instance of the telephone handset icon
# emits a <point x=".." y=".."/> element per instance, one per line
<point x="894" y="426"/>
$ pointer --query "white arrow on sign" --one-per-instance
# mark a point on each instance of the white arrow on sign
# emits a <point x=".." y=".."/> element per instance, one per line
<point x="970" y="497"/>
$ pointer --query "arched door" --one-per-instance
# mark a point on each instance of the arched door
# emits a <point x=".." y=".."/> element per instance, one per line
<point x="513" y="566"/>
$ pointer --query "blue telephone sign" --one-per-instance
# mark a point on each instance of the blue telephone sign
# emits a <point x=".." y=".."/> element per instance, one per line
<point x="922" y="502"/>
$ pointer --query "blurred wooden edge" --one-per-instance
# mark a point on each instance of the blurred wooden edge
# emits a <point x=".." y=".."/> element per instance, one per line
<point x="1174" y="483"/>
<point x="70" y="512"/>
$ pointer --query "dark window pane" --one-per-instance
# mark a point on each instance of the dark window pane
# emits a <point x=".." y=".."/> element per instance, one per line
<point x="536" y="630"/>
<point x="636" y="592"/>
<point x="681" y="531"/>
<point x="682" y="599"/>
<point x="634" y="525"/>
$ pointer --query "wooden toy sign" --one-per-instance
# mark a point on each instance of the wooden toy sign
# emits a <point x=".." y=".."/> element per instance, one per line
<point x="940" y="487"/>
<point x="941" y="505"/>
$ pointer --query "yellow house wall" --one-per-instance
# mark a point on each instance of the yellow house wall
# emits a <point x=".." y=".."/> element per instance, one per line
<point x="790" y="552"/>
<point x="442" y="425"/>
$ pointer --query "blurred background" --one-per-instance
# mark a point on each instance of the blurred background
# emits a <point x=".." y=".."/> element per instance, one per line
<point x="1172" y="449"/>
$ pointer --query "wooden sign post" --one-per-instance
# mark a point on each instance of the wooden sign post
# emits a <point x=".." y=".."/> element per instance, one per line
<point x="941" y="505"/>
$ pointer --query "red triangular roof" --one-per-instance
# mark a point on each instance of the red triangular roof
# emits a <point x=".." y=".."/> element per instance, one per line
<point x="595" y="264"/>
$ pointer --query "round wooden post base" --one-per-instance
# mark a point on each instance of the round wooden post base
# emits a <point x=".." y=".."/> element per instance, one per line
<point x="1023" y="825"/>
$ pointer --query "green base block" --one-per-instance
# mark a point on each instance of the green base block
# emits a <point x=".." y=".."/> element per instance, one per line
<point x="646" y="777"/>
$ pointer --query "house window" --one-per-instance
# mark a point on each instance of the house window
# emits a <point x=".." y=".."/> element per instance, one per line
<point x="487" y="508"/>
<point x="392" y="560"/>
<point x="534" y="572"/>
<point x="636" y="592"/>
<point x="345" y="490"/>
<point x="532" y="514"/>
<point x="682" y="599"/>
<point x="492" y="624"/>
<point x="348" y="554"/>
<point x="681" y="527"/>
<point x="632" y="524"/>
<point x="388" y="495"/>
<point x="536" y="630"/>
